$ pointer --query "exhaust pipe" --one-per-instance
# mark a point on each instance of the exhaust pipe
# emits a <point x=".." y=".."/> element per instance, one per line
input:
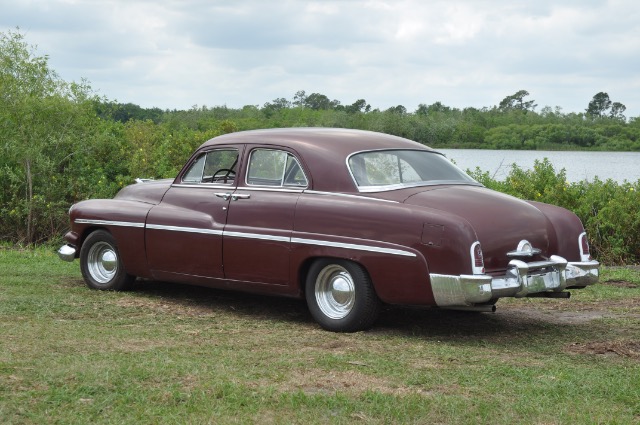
<point x="478" y="308"/>
<point x="565" y="295"/>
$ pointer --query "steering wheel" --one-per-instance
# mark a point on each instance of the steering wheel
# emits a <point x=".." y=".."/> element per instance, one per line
<point x="224" y="174"/>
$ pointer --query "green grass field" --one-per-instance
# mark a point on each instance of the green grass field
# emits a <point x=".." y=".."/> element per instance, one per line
<point x="166" y="354"/>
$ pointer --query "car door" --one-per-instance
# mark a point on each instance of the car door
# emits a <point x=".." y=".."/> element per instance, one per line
<point x="184" y="232"/>
<point x="257" y="237"/>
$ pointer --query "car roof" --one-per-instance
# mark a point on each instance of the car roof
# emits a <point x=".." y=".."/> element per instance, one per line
<point x="322" y="150"/>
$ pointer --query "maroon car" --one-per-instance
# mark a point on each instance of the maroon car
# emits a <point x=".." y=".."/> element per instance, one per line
<point x="348" y="219"/>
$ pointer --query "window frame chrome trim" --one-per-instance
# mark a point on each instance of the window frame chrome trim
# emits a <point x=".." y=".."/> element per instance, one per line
<point x="203" y="186"/>
<point x="205" y="152"/>
<point x="282" y="185"/>
<point x="388" y="188"/>
<point x="271" y="189"/>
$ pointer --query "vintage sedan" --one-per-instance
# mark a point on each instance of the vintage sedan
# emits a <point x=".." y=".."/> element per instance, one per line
<point x="347" y="219"/>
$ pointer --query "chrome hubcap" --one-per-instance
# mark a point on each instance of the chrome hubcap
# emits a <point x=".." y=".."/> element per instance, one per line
<point x="335" y="291"/>
<point x="102" y="262"/>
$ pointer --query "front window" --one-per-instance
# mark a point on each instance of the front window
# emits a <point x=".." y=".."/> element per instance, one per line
<point x="270" y="167"/>
<point x="217" y="166"/>
<point x="390" y="169"/>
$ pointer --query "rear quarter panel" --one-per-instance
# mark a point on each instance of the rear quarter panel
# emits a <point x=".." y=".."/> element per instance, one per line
<point x="567" y="228"/>
<point x="397" y="278"/>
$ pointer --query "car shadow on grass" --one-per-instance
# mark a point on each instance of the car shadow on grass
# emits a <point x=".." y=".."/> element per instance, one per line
<point x="505" y="324"/>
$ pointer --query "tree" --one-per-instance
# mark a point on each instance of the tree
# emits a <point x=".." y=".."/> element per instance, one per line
<point x="516" y="102"/>
<point x="275" y="105"/>
<point x="318" y="101"/>
<point x="617" y="111"/>
<point x="599" y="105"/>
<point x="359" y="105"/>
<point x="300" y="98"/>
<point x="424" y="109"/>
<point x="44" y="123"/>
<point x="399" y="109"/>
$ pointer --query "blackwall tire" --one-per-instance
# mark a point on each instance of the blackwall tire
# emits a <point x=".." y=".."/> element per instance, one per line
<point x="101" y="264"/>
<point x="340" y="296"/>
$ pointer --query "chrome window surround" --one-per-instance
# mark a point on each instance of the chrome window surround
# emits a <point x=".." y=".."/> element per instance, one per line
<point x="203" y="186"/>
<point x="390" y="187"/>
<point x="199" y="184"/>
<point x="282" y="185"/>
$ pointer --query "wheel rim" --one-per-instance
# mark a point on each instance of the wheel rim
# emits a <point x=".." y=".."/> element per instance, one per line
<point x="335" y="292"/>
<point x="102" y="262"/>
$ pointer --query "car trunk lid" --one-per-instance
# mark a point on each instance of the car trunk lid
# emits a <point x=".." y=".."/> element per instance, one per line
<point x="500" y="221"/>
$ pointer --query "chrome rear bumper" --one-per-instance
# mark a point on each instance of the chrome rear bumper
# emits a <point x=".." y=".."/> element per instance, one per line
<point x="520" y="280"/>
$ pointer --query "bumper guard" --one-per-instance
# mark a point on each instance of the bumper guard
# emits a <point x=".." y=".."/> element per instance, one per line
<point x="520" y="280"/>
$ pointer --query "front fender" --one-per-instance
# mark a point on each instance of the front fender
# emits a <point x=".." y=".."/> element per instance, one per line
<point x="124" y="219"/>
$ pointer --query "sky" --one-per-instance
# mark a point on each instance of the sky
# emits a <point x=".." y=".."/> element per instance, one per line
<point x="175" y="54"/>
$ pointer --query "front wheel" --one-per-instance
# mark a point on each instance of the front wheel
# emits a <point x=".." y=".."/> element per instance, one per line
<point x="101" y="264"/>
<point x="340" y="296"/>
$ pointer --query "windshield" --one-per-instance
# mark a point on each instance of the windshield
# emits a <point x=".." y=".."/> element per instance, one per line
<point x="393" y="169"/>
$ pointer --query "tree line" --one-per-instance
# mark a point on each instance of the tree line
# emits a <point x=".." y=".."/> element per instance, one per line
<point x="61" y="143"/>
<point x="513" y="124"/>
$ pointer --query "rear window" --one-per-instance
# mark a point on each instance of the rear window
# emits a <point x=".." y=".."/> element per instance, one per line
<point x="391" y="169"/>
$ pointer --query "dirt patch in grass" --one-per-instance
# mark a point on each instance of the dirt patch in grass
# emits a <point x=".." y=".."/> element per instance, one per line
<point x="630" y="349"/>
<point x="620" y="284"/>
<point x="317" y="381"/>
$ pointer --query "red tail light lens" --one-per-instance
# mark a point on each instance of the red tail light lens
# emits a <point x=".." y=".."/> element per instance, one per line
<point x="477" y="260"/>
<point x="477" y="255"/>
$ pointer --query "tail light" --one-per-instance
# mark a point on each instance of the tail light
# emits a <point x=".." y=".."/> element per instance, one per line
<point x="477" y="260"/>
<point x="585" y="254"/>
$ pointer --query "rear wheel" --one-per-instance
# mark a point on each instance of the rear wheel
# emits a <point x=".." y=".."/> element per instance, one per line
<point x="340" y="296"/>
<point x="101" y="264"/>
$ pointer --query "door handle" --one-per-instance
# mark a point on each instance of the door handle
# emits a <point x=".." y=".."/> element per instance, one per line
<point x="237" y="196"/>
<point x="224" y="196"/>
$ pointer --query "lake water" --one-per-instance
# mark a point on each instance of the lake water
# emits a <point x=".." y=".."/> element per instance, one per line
<point x="618" y="166"/>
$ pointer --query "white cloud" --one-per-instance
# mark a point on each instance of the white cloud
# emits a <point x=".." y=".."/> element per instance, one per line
<point x="174" y="54"/>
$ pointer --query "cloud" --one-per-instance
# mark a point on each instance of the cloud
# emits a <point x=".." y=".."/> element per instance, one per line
<point x="174" y="54"/>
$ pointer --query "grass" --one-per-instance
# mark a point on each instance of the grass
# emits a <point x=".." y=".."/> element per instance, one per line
<point x="168" y="353"/>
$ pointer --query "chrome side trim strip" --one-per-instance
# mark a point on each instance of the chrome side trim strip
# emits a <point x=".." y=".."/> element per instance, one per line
<point x="108" y="222"/>
<point x="347" y="195"/>
<point x="184" y="229"/>
<point x="257" y="236"/>
<point x="357" y="247"/>
<point x="303" y="241"/>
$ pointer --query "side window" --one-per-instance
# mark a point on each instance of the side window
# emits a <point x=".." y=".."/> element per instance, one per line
<point x="269" y="167"/>
<point x="217" y="166"/>
<point x="382" y="168"/>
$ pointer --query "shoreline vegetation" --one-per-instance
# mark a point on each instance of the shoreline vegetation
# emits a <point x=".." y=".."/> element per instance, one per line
<point x="61" y="143"/>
